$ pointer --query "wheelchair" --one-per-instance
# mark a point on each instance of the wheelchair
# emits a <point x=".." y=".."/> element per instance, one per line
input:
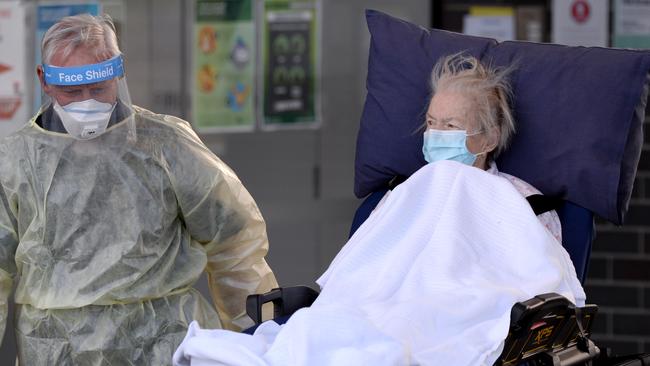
<point x="573" y="168"/>
<point x="544" y="330"/>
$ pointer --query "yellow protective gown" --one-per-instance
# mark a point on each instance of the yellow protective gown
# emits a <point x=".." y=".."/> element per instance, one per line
<point x="106" y="237"/>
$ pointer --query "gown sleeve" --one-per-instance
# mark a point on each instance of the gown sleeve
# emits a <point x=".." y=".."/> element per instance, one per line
<point x="221" y="215"/>
<point x="8" y="245"/>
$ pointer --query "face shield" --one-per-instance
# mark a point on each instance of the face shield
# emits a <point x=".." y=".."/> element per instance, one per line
<point x="90" y="99"/>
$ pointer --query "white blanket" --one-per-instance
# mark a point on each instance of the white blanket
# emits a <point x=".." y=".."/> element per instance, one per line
<point x="428" y="279"/>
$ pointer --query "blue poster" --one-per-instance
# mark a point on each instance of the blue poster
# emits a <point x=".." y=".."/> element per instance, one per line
<point x="46" y="16"/>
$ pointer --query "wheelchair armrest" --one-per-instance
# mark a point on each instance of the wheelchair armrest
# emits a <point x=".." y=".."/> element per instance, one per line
<point x="286" y="301"/>
<point x="544" y="329"/>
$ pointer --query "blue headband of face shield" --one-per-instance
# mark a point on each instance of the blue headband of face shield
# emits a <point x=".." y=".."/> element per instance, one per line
<point x="86" y="74"/>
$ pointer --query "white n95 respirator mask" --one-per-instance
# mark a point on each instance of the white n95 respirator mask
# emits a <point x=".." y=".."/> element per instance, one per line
<point x="86" y="119"/>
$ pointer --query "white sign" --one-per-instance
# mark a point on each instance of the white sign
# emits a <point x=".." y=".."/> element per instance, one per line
<point x="580" y="22"/>
<point x="501" y="28"/>
<point x="13" y="96"/>
<point x="496" y="22"/>
<point x="632" y="18"/>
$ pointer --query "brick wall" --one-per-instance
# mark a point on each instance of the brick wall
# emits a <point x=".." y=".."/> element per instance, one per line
<point x="619" y="273"/>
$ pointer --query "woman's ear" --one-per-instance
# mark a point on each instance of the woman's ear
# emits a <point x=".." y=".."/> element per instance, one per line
<point x="492" y="140"/>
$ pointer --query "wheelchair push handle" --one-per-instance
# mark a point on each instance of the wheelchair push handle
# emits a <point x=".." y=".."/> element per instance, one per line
<point x="286" y="301"/>
<point x="549" y="330"/>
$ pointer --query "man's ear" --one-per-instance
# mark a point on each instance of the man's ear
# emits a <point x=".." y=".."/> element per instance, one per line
<point x="41" y="77"/>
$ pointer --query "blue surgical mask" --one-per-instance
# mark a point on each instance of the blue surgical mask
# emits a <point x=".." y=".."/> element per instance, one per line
<point x="448" y="145"/>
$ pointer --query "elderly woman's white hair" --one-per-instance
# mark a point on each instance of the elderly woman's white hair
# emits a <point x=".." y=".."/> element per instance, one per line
<point x="96" y="33"/>
<point x="488" y="88"/>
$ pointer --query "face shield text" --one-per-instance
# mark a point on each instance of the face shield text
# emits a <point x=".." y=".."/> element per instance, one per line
<point x="88" y="74"/>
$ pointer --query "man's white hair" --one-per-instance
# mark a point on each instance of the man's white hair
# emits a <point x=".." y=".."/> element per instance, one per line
<point x="96" y="33"/>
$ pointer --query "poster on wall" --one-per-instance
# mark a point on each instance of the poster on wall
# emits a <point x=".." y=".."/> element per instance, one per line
<point x="530" y="23"/>
<point x="223" y="67"/>
<point x="631" y="24"/>
<point x="14" y="108"/>
<point x="48" y="14"/>
<point x="496" y="22"/>
<point x="580" y="22"/>
<point x="290" y="60"/>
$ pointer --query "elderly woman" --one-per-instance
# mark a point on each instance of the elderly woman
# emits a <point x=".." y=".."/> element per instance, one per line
<point x="431" y="276"/>
<point x="469" y="121"/>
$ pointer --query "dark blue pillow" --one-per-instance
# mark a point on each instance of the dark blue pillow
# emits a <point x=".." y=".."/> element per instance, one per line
<point x="578" y="112"/>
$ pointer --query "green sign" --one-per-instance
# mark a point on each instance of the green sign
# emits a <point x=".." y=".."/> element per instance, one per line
<point x="631" y="24"/>
<point x="223" y="66"/>
<point x="290" y="67"/>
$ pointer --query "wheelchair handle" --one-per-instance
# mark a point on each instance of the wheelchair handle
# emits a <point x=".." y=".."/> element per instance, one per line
<point x="286" y="301"/>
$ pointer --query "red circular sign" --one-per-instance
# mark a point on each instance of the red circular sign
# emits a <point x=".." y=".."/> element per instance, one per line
<point x="580" y="11"/>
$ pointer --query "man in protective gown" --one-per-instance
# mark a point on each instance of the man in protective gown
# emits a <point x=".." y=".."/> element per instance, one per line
<point x="109" y="213"/>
